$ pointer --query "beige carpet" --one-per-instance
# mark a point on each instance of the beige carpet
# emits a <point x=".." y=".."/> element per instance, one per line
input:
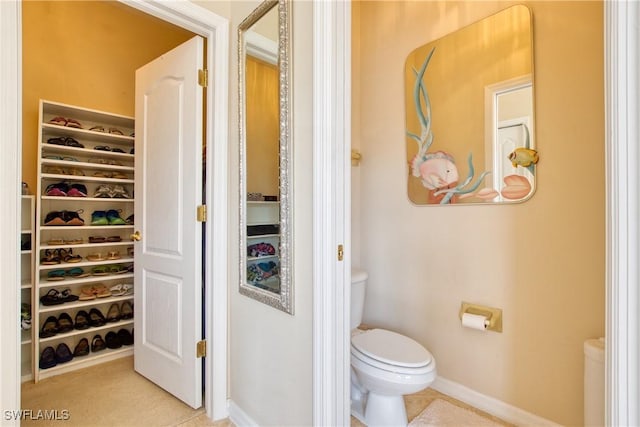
<point x="110" y="394"/>
<point x="443" y="413"/>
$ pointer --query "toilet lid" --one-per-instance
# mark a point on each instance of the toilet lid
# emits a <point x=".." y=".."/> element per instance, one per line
<point x="391" y="348"/>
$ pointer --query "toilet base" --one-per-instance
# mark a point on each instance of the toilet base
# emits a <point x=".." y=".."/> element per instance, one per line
<point x="385" y="411"/>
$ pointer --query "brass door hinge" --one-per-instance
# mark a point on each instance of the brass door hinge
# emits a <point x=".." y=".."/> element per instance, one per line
<point x="201" y="349"/>
<point x="340" y="252"/>
<point x="203" y="77"/>
<point x="202" y="213"/>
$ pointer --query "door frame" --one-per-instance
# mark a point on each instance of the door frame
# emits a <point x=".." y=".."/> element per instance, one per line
<point x="332" y="32"/>
<point x="216" y="30"/>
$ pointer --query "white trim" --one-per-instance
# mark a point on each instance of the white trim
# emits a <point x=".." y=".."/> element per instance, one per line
<point x="622" y="355"/>
<point x="198" y="20"/>
<point x="490" y="405"/>
<point x="239" y="417"/>
<point x="331" y="211"/>
<point x="10" y="173"/>
<point x="260" y="47"/>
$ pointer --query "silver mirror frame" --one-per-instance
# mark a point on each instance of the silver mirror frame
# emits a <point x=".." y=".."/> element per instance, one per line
<point x="284" y="300"/>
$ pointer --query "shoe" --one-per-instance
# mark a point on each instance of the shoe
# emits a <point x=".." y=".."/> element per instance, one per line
<point x="87" y="294"/>
<point x="130" y="219"/>
<point x="72" y="218"/>
<point x="82" y="320"/>
<point x="126" y="311"/>
<point x="125" y="337"/>
<point x="57" y="190"/>
<point x="66" y="296"/>
<point x="68" y="256"/>
<point x="73" y="124"/>
<point x="51" y="257"/>
<point x="113" y="315"/>
<point x="49" y="328"/>
<point x="99" y="218"/>
<point x="63" y="353"/>
<point x="65" y="324"/>
<point x="113" y="216"/>
<point x="25" y="316"/>
<point x="52" y="297"/>
<point x="48" y="358"/>
<point x="112" y="339"/>
<point x="82" y="348"/>
<point x="119" y="192"/>
<point x="103" y="191"/>
<point x="56" y="275"/>
<point x="96" y="318"/>
<point x="77" y="190"/>
<point x="97" y="344"/>
<point x="54" y="218"/>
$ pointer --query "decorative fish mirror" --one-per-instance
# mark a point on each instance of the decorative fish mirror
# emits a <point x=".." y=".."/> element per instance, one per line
<point x="469" y="103"/>
<point x="265" y="164"/>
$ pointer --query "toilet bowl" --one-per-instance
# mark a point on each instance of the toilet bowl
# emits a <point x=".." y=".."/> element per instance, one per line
<point x="385" y="366"/>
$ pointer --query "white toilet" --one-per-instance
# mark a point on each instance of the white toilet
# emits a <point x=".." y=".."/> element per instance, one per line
<point x="384" y="366"/>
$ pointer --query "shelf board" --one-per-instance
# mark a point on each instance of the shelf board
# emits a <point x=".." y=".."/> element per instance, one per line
<point x="87" y="199"/>
<point x="264" y="257"/>
<point x="262" y="236"/>
<point x="262" y="202"/>
<point x="88" y="245"/>
<point x="87" y="165"/>
<point x="69" y="265"/>
<point x="87" y="152"/>
<point x="26" y="284"/>
<point x="80" y="304"/>
<point x="109" y="325"/>
<point x="25" y="231"/>
<point x="90" y="279"/>
<point x="250" y="224"/>
<point x="83" y="227"/>
<point x="25" y="252"/>
<point x="25" y="336"/>
<point x="94" y="135"/>
<point x="84" y="178"/>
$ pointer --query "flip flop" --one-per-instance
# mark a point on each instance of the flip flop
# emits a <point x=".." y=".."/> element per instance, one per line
<point x="96" y="257"/>
<point x="54" y="242"/>
<point x="101" y="291"/>
<point x="55" y="275"/>
<point x="117" y="290"/>
<point x="87" y="294"/>
<point x="113" y="255"/>
<point x="128" y="289"/>
<point x="51" y="298"/>
<point x="73" y="242"/>
<point x="100" y="270"/>
<point x="97" y="239"/>
<point x="77" y="273"/>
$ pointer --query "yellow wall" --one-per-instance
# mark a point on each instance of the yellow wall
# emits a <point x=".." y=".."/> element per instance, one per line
<point x="262" y="127"/>
<point x="84" y="53"/>
<point x="541" y="261"/>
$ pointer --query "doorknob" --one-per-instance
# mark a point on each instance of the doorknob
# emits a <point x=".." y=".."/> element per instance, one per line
<point x="136" y="236"/>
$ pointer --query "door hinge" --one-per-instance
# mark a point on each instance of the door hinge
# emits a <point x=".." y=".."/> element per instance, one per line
<point x="202" y="213"/>
<point x="340" y="252"/>
<point x="201" y="349"/>
<point x="203" y="77"/>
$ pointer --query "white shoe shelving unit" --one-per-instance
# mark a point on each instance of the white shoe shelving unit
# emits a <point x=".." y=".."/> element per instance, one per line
<point x="27" y="264"/>
<point x="92" y="168"/>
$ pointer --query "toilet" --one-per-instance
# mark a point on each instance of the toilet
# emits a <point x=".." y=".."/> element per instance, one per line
<point x="385" y="366"/>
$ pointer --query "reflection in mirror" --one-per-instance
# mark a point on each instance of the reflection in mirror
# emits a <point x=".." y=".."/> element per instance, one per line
<point x="469" y="114"/>
<point x="263" y="73"/>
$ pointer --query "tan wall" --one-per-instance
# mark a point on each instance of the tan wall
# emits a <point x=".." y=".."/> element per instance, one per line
<point x="541" y="261"/>
<point x="84" y="53"/>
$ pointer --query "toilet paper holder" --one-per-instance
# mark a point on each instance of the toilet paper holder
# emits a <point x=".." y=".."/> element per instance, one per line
<point x="493" y="315"/>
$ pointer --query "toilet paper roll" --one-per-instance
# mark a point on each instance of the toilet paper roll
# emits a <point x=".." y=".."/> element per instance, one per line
<point x="474" y="321"/>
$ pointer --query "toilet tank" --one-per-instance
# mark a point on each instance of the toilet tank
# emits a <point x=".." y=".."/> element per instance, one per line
<point x="358" y="282"/>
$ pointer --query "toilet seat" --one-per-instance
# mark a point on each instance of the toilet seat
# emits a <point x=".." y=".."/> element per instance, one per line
<point x="391" y="352"/>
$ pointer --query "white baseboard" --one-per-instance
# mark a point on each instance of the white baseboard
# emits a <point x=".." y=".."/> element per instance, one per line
<point x="490" y="405"/>
<point x="238" y="417"/>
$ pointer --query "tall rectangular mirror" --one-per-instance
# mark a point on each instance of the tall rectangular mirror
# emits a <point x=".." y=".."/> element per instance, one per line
<point x="264" y="129"/>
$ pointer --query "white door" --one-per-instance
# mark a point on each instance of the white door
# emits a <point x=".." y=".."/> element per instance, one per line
<point x="168" y="187"/>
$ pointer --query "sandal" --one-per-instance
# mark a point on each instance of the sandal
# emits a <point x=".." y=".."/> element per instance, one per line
<point x="68" y="256"/>
<point x="87" y="294"/>
<point x="113" y="255"/>
<point x="67" y="296"/>
<point x="77" y="273"/>
<point x="51" y="298"/>
<point x="117" y="290"/>
<point x="128" y="289"/>
<point x="95" y="257"/>
<point x="71" y="123"/>
<point x="54" y="242"/>
<point x="115" y="131"/>
<point x="50" y="257"/>
<point x="97" y="128"/>
<point x="101" y="291"/>
<point x="114" y="239"/>
<point x="100" y="270"/>
<point x="96" y="239"/>
<point x="54" y="275"/>
<point x="60" y="121"/>
<point x="117" y="269"/>
<point x="73" y="241"/>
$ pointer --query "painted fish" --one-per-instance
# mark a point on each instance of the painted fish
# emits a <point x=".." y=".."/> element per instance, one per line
<point x="524" y="157"/>
<point x="438" y="170"/>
